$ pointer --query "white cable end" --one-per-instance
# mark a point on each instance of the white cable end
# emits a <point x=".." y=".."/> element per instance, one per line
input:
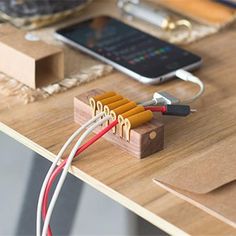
<point x="164" y="98"/>
<point x="187" y="76"/>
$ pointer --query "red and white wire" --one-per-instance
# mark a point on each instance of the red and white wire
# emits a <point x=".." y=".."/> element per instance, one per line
<point x="65" y="171"/>
<point x="60" y="167"/>
<point x="54" y="164"/>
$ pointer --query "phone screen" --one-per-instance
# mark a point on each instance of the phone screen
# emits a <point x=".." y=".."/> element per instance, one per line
<point x="128" y="46"/>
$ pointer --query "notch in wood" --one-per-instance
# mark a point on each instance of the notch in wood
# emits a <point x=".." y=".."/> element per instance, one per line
<point x="144" y="140"/>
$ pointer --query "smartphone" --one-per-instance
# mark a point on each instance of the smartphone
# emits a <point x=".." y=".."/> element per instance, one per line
<point x="129" y="50"/>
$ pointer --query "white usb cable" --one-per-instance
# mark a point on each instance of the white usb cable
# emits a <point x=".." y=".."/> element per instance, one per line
<point x="189" y="77"/>
<point x="166" y="98"/>
<point x="65" y="171"/>
<point x="54" y="164"/>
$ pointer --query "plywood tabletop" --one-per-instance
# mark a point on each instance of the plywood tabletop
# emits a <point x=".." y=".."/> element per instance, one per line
<point x="45" y="125"/>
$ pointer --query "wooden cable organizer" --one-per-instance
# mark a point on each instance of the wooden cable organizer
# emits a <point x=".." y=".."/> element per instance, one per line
<point x="137" y="131"/>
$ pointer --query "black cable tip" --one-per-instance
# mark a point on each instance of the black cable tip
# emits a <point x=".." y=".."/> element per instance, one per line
<point x="177" y="110"/>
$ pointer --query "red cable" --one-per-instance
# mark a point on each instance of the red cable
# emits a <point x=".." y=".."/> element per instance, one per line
<point x="156" y="108"/>
<point x="60" y="167"/>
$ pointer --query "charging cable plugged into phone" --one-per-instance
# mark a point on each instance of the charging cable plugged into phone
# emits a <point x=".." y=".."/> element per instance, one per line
<point x="165" y="98"/>
<point x="140" y="55"/>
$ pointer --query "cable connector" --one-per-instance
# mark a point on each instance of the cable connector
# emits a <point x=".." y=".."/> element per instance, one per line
<point x="172" y="110"/>
<point x="161" y="98"/>
<point x="177" y="110"/>
<point x="164" y="98"/>
<point x="187" y="76"/>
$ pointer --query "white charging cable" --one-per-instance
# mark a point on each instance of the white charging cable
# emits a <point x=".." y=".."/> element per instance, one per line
<point x="189" y="77"/>
<point x="65" y="171"/>
<point x="54" y="164"/>
<point x="164" y="98"/>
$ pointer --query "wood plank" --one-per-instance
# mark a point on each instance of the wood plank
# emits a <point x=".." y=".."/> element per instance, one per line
<point x="45" y="125"/>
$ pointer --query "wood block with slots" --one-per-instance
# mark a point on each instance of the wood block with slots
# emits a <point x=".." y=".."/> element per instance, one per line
<point x="144" y="140"/>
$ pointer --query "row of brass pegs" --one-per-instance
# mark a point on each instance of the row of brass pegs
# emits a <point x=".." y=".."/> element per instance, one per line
<point x="128" y="113"/>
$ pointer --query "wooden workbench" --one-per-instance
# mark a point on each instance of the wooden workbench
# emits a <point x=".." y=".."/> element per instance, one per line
<point x="45" y="125"/>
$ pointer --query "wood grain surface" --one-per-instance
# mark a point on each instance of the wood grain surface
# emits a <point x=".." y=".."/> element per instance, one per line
<point x="45" y="125"/>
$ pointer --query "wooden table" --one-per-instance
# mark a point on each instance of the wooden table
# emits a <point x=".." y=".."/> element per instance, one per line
<point x="45" y="125"/>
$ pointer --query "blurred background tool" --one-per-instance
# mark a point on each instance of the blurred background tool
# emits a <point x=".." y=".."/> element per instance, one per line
<point x="209" y="12"/>
<point x="155" y="16"/>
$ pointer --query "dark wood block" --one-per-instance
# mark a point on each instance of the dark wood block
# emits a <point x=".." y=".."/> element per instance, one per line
<point x="144" y="140"/>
